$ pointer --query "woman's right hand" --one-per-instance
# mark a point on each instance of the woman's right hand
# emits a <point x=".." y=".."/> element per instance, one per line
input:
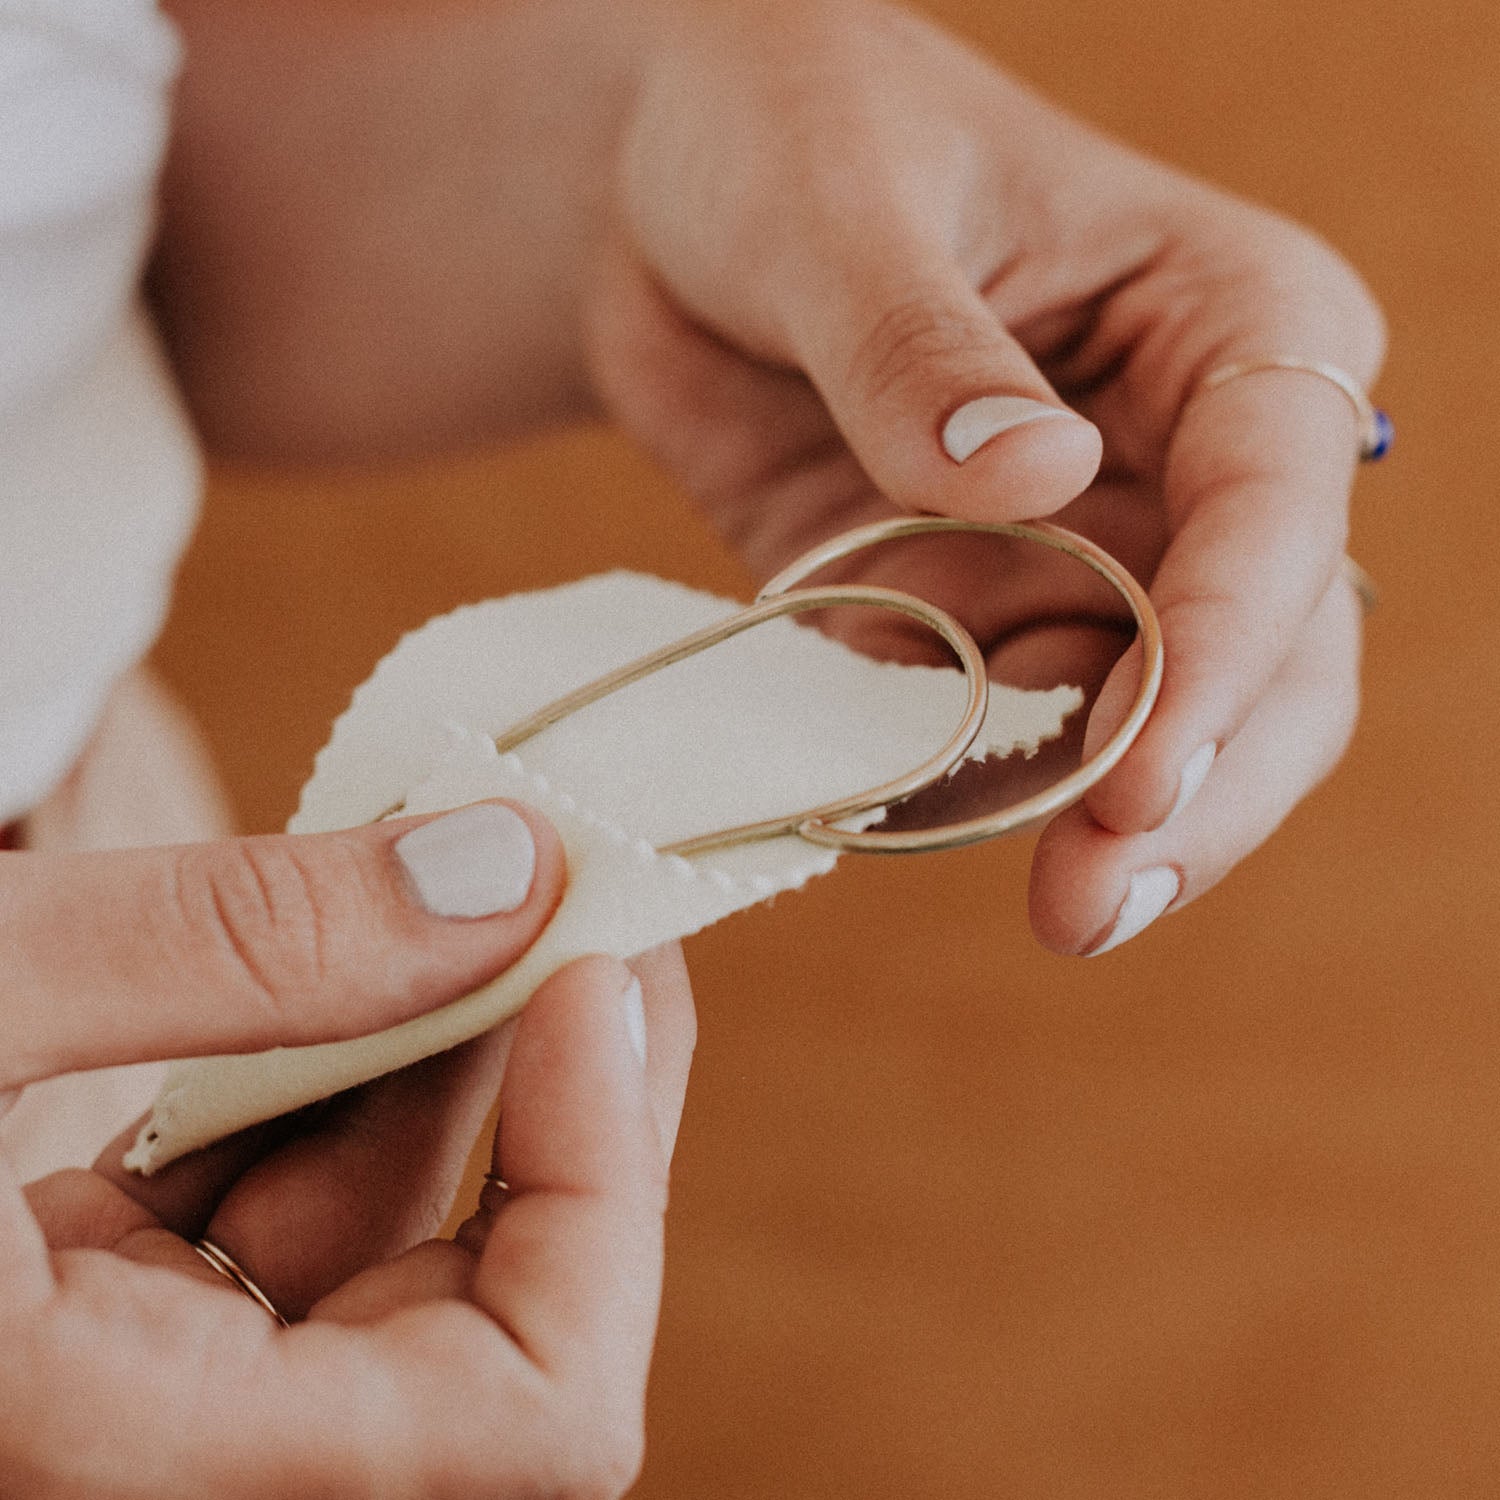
<point x="512" y="1359"/>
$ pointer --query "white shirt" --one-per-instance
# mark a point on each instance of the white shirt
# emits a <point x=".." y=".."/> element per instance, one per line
<point x="99" y="476"/>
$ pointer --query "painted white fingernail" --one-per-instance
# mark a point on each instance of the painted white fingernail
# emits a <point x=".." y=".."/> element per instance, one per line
<point x="476" y="862"/>
<point x="1150" y="893"/>
<point x="1194" y="774"/>
<point x="635" y="1017"/>
<point x="977" y="421"/>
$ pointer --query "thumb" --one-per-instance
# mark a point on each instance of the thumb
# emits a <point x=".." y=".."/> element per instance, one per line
<point x="251" y="943"/>
<point x="945" y="411"/>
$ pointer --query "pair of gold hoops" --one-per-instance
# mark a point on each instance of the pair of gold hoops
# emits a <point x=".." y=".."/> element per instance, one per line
<point x="783" y="596"/>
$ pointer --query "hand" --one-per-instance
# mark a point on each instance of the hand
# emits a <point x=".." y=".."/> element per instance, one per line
<point x="512" y="1359"/>
<point x="803" y="237"/>
<point x="837" y="228"/>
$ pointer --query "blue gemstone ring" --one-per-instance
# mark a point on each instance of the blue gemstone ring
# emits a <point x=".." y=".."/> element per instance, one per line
<point x="1376" y="430"/>
<point x="1378" y="439"/>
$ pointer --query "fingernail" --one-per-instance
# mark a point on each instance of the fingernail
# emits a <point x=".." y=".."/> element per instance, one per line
<point x="977" y="421"/>
<point x="476" y="862"/>
<point x="1150" y="893"/>
<point x="635" y="1017"/>
<point x="1194" y="774"/>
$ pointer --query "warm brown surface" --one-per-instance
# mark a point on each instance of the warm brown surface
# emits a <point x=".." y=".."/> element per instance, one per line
<point x="1215" y="1216"/>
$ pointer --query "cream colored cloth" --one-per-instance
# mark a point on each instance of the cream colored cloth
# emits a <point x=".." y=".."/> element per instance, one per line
<point x="774" y="721"/>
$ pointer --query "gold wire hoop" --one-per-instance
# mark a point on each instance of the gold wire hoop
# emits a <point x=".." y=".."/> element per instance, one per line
<point x="816" y="827"/>
<point x="792" y="602"/>
<point x="781" y="596"/>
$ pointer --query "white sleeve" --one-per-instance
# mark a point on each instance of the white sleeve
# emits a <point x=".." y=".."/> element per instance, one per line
<point x="99" y="474"/>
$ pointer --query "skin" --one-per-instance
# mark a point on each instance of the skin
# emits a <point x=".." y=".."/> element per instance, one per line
<point x="511" y="1359"/>
<point x="781" y="244"/>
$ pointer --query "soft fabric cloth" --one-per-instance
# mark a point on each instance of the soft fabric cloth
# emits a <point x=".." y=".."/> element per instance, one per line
<point x="777" y="720"/>
<point x="99" y="475"/>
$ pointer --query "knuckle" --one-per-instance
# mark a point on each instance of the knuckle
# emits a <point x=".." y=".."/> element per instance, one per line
<point x="1300" y="274"/>
<point x="913" y="339"/>
<point x="266" y="904"/>
<point x="1369" y="322"/>
<point x="1211" y="624"/>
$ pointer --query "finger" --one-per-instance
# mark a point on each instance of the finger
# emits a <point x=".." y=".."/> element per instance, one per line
<point x="1092" y="889"/>
<point x="313" y="1197"/>
<point x="1256" y="486"/>
<point x="376" y="1174"/>
<point x="671" y="1033"/>
<point x="184" y="1194"/>
<point x="572" y="1265"/>
<point x="434" y="1271"/>
<point x="726" y="425"/>
<point x="23" y="1248"/>
<point x="249" y="943"/>
<point x="152" y="1245"/>
<point x="437" y="1269"/>
<point x="569" y="1267"/>
<point x="943" y="408"/>
<point x="80" y="1210"/>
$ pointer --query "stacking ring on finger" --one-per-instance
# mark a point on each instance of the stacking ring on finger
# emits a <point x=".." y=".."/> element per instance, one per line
<point x="1376" y="430"/>
<point x="231" y="1270"/>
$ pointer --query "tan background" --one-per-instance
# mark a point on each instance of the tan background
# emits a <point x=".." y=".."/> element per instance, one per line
<point x="1217" y="1215"/>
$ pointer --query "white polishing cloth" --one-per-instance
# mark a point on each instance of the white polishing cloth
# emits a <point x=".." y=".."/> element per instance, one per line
<point x="776" y="720"/>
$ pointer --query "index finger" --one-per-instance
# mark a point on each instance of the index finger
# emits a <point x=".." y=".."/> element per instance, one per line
<point x="1256" y="486"/>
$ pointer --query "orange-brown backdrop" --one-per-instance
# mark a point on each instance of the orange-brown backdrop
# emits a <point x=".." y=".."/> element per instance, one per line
<point x="1218" y="1215"/>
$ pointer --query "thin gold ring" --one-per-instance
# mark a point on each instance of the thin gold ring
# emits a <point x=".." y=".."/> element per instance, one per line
<point x="1375" y="433"/>
<point x="1375" y="428"/>
<point x="231" y="1270"/>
